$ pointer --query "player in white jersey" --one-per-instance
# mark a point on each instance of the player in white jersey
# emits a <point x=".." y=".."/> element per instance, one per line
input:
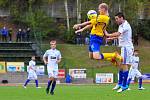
<point x="32" y="73"/>
<point x="51" y="58"/>
<point x="124" y="35"/>
<point x="134" y="72"/>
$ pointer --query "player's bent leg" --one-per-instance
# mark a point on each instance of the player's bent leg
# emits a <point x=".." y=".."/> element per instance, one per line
<point x="113" y="61"/>
<point x="118" y="86"/>
<point x="49" y="83"/>
<point x="125" y="77"/>
<point x="97" y="56"/>
<point x="54" y="82"/>
<point x="27" y="81"/>
<point x="37" y="83"/>
<point x="114" y="58"/>
<point x="140" y="84"/>
<point x="91" y="55"/>
<point x="53" y="87"/>
<point x="118" y="58"/>
<point x="48" y="86"/>
<point x="108" y="56"/>
<point x="128" y="82"/>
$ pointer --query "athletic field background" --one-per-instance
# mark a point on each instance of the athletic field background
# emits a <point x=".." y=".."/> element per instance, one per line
<point x="74" y="92"/>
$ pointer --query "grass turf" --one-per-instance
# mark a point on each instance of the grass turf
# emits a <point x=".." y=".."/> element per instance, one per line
<point x="74" y="92"/>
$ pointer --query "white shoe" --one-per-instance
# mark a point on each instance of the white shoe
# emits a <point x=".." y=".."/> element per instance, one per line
<point x="128" y="89"/>
<point x="120" y="90"/>
<point x="116" y="87"/>
<point x="38" y="87"/>
<point x="24" y="87"/>
<point x="141" y="88"/>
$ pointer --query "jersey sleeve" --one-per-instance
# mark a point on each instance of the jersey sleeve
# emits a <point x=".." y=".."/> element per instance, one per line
<point x="122" y="29"/>
<point x="30" y="64"/>
<point x="138" y="59"/>
<point x="45" y="54"/>
<point x="59" y="55"/>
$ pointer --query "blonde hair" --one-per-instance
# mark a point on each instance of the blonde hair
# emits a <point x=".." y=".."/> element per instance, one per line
<point x="103" y="5"/>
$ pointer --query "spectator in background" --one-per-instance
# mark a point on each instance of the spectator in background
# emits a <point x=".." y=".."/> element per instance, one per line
<point x="10" y="34"/>
<point x="4" y="32"/>
<point x="115" y="42"/>
<point x="68" y="78"/>
<point x="23" y="35"/>
<point x="19" y="35"/>
<point x="106" y="42"/>
<point x="28" y="34"/>
<point x="87" y="38"/>
<point x="0" y="36"/>
<point x="78" y="38"/>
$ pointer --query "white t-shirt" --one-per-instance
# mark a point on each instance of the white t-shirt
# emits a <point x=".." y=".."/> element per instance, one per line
<point x="135" y="62"/>
<point x="125" y="38"/>
<point x="53" y="55"/>
<point x="32" y="66"/>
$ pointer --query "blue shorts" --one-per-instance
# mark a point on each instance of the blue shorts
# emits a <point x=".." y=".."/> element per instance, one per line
<point x="95" y="43"/>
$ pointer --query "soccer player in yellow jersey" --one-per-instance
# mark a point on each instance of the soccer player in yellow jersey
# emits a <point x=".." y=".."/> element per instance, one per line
<point x="97" y="34"/>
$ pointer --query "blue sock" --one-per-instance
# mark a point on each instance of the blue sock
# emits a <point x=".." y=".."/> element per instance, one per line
<point x="27" y="81"/>
<point x="101" y="56"/>
<point x="128" y="82"/>
<point x="140" y="82"/>
<point x="36" y="82"/>
<point x="125" y="75"/>
<point x="49" y="84"/>
<point x="53" y="86"/>
<point x="120" y="78"/>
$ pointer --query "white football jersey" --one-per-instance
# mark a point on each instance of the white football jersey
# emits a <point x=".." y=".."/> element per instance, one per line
<point x="135" y="62"/>
<point x="32" y="65"/>
<point x="125" y="38"/>
<point x="53" y="55"/>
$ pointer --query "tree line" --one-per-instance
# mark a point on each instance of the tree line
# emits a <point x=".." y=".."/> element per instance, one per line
<point x="30" y="13"/>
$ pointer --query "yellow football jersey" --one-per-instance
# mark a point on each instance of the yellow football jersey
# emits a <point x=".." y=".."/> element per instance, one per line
<point x="100" y="25"/>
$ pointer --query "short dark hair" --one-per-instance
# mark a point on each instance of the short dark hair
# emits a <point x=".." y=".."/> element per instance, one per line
<point x="120" y="14"/>
<point x="136" y="50"/>
<point x="53" y="41"/>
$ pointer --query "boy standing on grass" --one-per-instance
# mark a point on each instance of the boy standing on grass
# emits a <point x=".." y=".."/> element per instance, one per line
<point x="32" y="73"/>
<point x="134" y="70"/>
<point x="51" y="58"/>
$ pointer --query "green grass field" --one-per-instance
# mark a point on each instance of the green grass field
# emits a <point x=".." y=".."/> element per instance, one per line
<point x="74" y="92"/>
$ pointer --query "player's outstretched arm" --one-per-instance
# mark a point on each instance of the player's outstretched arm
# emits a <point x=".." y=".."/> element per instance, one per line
<point x="76" y="26"/>
<point x="115" y="34"/>
<point x="106" y="33"/>
<point x="84" y="28"/>
<point x="111" y="38"/>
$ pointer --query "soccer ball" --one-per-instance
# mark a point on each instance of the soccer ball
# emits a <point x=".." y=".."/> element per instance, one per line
<point x="91" y="14"/>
